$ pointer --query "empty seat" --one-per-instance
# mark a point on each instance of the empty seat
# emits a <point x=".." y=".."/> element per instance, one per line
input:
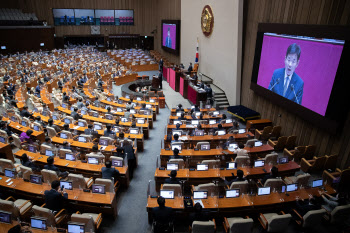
<point x="279" y="144"/>
<point x="272" y="222"/>
<point x="263" y="135"/>
<point x="311" y="219"/>
<point x="302" y="180"/>
<point x="314" y="165"/>
<point x="203" y="226"/>
<point x="82" y="123"/>
<point x="210" y="187"/>
<point x="51" y="132"/>
<point x="17" y="207"/>
<point x="275" y="184"/>
<point x="212" y="163"/>
<point x="78" y="181"/>
<point x="271" y="159"/>
<point x="92" y="221"/>
<point x="238" y="225"/>
<point x="49" y="176"/>
<point x="52" y="220"/>
<point x="6" y="163"/>
<point x="243" y="160"/>
<point x="109" y="185"/>
<point x="199" y="144"/>
<point x="251" y="142"/>
<point x="26" y="172"/>
<point x="331" y="162"/>
<point x="180" y="162"/>
<point x="243" y="186"/>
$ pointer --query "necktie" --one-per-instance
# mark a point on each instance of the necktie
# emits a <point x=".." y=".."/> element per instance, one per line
<point x="286" y="86"/>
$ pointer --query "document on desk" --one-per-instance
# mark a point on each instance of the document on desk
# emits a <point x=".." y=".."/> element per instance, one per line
<point x="76" y="127"/>
<point x="103" y="147"/>
<point x="183" y="138"/>
<point x="198" y="201"/>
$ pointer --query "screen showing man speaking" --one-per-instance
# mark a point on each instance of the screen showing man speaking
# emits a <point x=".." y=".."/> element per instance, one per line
<point x="169" y="35"/>
<point x="301" y="69"/>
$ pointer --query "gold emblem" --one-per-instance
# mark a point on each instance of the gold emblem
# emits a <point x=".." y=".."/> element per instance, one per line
<point x="207" y="20"/>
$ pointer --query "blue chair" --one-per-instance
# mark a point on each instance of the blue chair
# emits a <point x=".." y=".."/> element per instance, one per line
<point x="72" y="20"/>
<point x="62" y="20"/>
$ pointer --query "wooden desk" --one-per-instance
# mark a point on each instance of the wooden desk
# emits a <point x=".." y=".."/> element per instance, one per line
<point x="125" y="79"/>
<point x="188" y="117"/>
<point x="148" y="67"/>
<point x="187" y="110"/>
<point x="77" y="199"/>
<point x="6" y="227"/>
<point x="18" y="128"/>
<point x="258" y="124"/>
<point x="205" y="127"/>
<point x="7" y="150"/>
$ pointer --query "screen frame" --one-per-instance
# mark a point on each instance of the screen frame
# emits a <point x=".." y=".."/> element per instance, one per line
<point x="178" y="31"/>
<point x="335" y="115"/>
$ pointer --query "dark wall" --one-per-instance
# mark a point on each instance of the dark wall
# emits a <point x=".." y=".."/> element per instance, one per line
<point x="19" y="39"/>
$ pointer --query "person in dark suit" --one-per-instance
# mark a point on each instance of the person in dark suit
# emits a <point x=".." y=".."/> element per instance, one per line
<point x="161" y="64"/>
<point x="176" y="154"/>
<point x="239" y="177"/>
<point x="25" y="112"/>
<point x="90" y="131"/>
<point x="190" y="68"/>
<point x="51" y="167"/>
<point x="50" y="124"/>
<point x="108" y="132"/>
<point x="176" y="138"/>
<point x="302" y="207"/>
<point x="53" y="198"/>
<point x="160" y="78"/>
<point x="196" y="108"/>
<point x="172" y="179"/>
<point x="162" y="216"/>
<point x="76" y="116"/>
<point x="109" y="172"/>
<point x="129" y="152"/>
<point x="182" y="117"/>
<point x="285" y="81"/>
<point x="27" y="163"/>
<point x="273" y="174"/>
<point x="199" y="214"/>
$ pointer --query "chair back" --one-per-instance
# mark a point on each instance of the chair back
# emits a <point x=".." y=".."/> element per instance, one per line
<point x="281" y="143"/>
<point x="16" y="141"/>
<point x="107" y="183"/>
<point x="87" y="137"/>
<point x="63" y="152"/>
<point x="331" y="162"/>
<point x="310" y="152"/>
<point x="266" y="133"/>
<point x="86" y="219"/>
<point x="28" y="123"/>
<point x="78" y="181"/>
<point x="26" y="172"/>
<point x="45" y="213"/>
<point x="279" y="223"/>
<point x="178" y="144"/>
<point x="271" y="159"/>
<point x="108" y="139"/>
<point x="199" y="144"/>
<point x="275" y="184"/>
<point x="340" y="214"/>
<point x="212" y="163"/>
<point x="203" y="226"/>
<point x="9" y="206"/>
<point x="3" y="133"/>
<point x="6" y="163"/>
<point x="99" y="125"/>
<point x="303" y="179"/>
<point x="239" y="225"/>
<point x="71" y="119"/>
<point x="290" y="143"/>
<point x="243" y="186"/>
<point x="109" y="116"/>
<point x="68" y="133"/>
<point x="49" y="176"/>
<point x="210" y="187"/>
<point x="81" y="121"/>
<point x="251" y="142"/>
<point x="313" y="218"/>
<point x="242" y="160"/>
<point x="51" y="132"/>
<point x="43" y="148"/>
<point x="175" y="187"/>
<point x="318" y="164"/>
<point x="180" y="162"/>
<point x="40" y="127"/>
<point x="276" y="131"/>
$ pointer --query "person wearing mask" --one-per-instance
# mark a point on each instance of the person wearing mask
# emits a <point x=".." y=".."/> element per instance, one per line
<point x="273" y="174"/>
<point x="162" y="216"/>
<point x="54" y="198"/>
<point x="172" y="179"/>
<point x="109" y="172"/>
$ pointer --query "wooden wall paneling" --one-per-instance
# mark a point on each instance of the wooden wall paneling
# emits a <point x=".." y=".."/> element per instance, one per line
<point x="344" y="17"/>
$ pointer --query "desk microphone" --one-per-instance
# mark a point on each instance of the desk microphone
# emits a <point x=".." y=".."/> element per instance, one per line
<point x="277" y="81"/>
<point x="292" y="87"/>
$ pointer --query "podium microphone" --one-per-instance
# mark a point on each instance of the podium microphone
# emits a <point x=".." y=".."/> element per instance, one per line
<point x="277" y="81"/>
<point x="292" y="87"/>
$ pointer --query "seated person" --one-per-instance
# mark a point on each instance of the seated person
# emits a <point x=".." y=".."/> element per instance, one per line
<point x="48" y="142"/>
<point x="25" y="161"/>
<point x="172" y="179"/>
<point x="96" y="102"/>
<point x="179" y="108"/>
<point x="80" y="103"/>
<point x="196" y="108"/>
<point x="39" y="121"/>
<point x="66" y="145"/>
<point x="302" y="207"/>
<point x="182" y="117"/>
<point x="51" y="167"/>
<point x="25" y="112"/>
<point x="76" y="116"/>
<point x="331" y="202"/>
<point x="219" y="128"/>
<point x="176" y="138"/>
<point x="241" y="151"/>
<point x="54" y="198"/>
<point x="273" y="174"/>
<point x="199" y="214"/>
<point x="162" y="216"/>
<point x="199" y="127"/>
<point x="143" y="107"/>
<point x="239" y="177"/>
<point x="90" y="131"/>
<point x="109" y="172"/>
<point x="50" y="124"/>
<point x="108" y="132"/>
<point x="26" y="136"/>
<point x="95" y="151"/>
<point x="229" y="141"/>
<point x="176" y="154"/>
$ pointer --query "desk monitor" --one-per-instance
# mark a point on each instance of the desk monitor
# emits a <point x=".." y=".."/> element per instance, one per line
<point x="95" y="114"/>
<point x="120" y="101"/>
<point x="97" y="127"/>
<point x="32" y="148"/>
<point x="264" y="191"/>
<point x="194" y="122"/>
<point x="192" y="107"/>
<point x="167" y="194"/>
<point x="241" y="131"/>
<point x="109" y="117"/>
<point x="231" y="193"/>
<point x="70" y="157"/>
<point x="197" y="114"/>
<point x="148" y="106"/>
<point x="208" y="106"/>
<point x="231" y="165"/>
<point x="215" y="113"/>
<point x="66" y="184"/>
<point x="82" y="139"/>
<point x="5" y="217"/>
<point x="119" y="109"/>
<point x="127" y="96"/>
<point x="258" y="143"/>
<point x="282" y="160"/>
<point x="212" y="122"/>
<point x="205" y="147"/>
<point x="38" y="223"/>
<point x="13" y="118"/>
<point x="221" y="132"/>
<point x="36" y="128"/>
<point x="199" y="133"/>
<point x="67" y="121"/>
<point x="178" y="113"/>
<point x="2" y="139"/>
<point x="36" y="179"/>
<point x="152" y="101"/>
<point x="124" y="119"/>
<point x="42" y="44"/>
<point x="134" y="131"/>
<point x="178" y="132"/>
<point x="283" y="189"/>
<point x="292" y="187"/>
<point x="109" y="99"/>
<point x="81" y="124"/>
<point x="200" y="194"/>
<point x="140" y="121"/>
<point x="49" y="152"/>
<point x="98" y="188"/>
<point x="55" y="117"/>
<point x="132" y="111"/>
<point x="24" y="123"/>
<point x="139" y="99"/>
<point x="9" y="173"/>
<point x="3" y="47"/>
<point x="82" y="112"/>
<point x="177" y="122"/>
<point x="92" y="160"/>
<point x="259" y="163"/>
<point x="72" y="108"/>
<point x="103" y="142"/>
<point x="317" y="183"/>
<point x="63" y="135"/>
<point x="228" y="121"/>
<point x="172" y="166"/>
<point x="202" y="167"/>
<point x="74" y="227"/>
<point x="233" y="146"/>
<point x="64" y="105"/>
<point x="179" y="147"/>
<point x="117" y="163"/>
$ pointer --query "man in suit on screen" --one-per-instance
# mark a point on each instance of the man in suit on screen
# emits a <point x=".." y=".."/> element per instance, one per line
<point x="168" y="40"/>
<point x="285" y="81"/>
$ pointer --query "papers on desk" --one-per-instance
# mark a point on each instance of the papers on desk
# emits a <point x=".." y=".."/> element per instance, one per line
<point x="76" y="127"/>
<point x="103" y="147"/>
<point x="198" y="201"/>
<point x="183" y="138"/>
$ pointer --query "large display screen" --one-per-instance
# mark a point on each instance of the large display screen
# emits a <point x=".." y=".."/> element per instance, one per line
<point x="169" y="35"/>
<point x="301" y="69"/>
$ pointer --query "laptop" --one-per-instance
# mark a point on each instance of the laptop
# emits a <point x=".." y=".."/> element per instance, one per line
<point x="5" y="217"/>
<point x="179" y="147"/>
<point x="36" y="179"/>
<point x="264" y="191"/>
<point x="212" y="122"/>
<point x="177" y="122"/>
<point x="282" y="160"/>
<point x="200" y="194"/>
<point x="24" y="123"/>
<point x="232" y="193"/>
<point x="81" y="124"/>
<point x="205" y="147"/>
<point x="92" y="161"/>
<point x="117" y="163"/>
<point x="292" y="187"/>
<point x="221" y="132"/>
<point x="167" y="194"/>
<point x="63" y="135"/>
<point x="82" y="139"/>
<point x="259" y="163"/>
<point x="76" y="227"/>
<point x="32" y="148"/>
<point x="38" y="223"/>
<point x="103" y="142"/>
<point x="70" y="157"/>
<point x="49" y="152"/>
<point x="67" y="121"/>
<point x="2" y="139"/>
<point x="172" y="166"/>
<point x="202" y="167"/>
<point x="134" y="131"/>
<point x="10" y="173"/>
<point x="194" y="122"/>
<point x="231" y="165"/>
<point x="36" y="128"/>
<point x="98" y="188"/>
<point x="178" y="132"/>
<point x="66" y="184"/>
<point x="97" y="127"/>
<point x="241" y="131"/>
<point x="199" y="133"/>
<point x="257" y="144"/>
<point x="317" y="183"/>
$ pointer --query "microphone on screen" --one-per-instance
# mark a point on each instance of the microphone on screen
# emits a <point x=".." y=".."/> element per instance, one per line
<point x="292" y="87"/>
<point x="277" y="81"/>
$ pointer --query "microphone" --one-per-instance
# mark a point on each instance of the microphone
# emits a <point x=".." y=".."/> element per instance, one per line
<point x="292" y="87"/>
<point x="277" y="81"/>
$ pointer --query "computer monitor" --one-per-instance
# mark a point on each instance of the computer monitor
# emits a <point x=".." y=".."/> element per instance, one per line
<point x="199" y="133"/>
<point x="49" y="152"/>
<point x="124" y="119"/>
<point x="232" y="193"/>
<point x="167" y="194"/>
<point x="172" y="166"/>
<point x="205" y="147"/>
<point x="194" y="122"/>
<point x="233" y="146"/>
<point x="317" y="183"/>
<point x="282" y="160"/>
<point x="66" y="184"/>
<point x="36" y="128"/>
<point x="24" y="123"/>
<point x="42" y="44"/>
<point x="103" y="142"/>
<point x="97" y="127"/>
<point x="95" y="114"/>
<point x="228" y="121"/>
<point x="141" y="121"/>
<point x="202" y="167"/>
<point x="108" y="99"/>
<point x="134" y="131"/>
<point x="258" y="143"/>
<point x="82" y="112"/>
<point x="197" y="114"/>
<point x="92" y="160"/>
<point x="231" y="165"/>
<point x="31" y="148"/>
<point x="178" y="132"/>
<point x="127" y="96"/>
<point x="215" y="113"/>
<point x="259" y="163"/>
<point x="63" y="135"/>
<point x="72" y="108"/>
<point x="9" y="173"/>
<point x="117" y="163"/>
<point x="3" y="47"/>
<point x="98" y="188"/>
<point x="2" y="139"/>
<point x="148" y="106"/>
<point x="76" y="227"/>
<point x="5" y="217"/>
<point x="70" y="157"/>
<point x="241" y="131"/>
<point x="81" y="124"/>
<point x="283" y="189"/>
<point x="54" y="117"/>
<point x="192" y="107"/>
<point x="109" y="117"/>
<point x="13" y="118"/>
<point x="264" y="191"/>
<point x="36" y="179"/>
<point x="177" y="122"/>
<point x="64" y="105"/>
<point x="82" y="139"/>
<point x="221" y="132"/>
<point x="208" y="106"/>
<point x="178" y="114"/>
<point x="212" y="122"/>
<point x="120" y="101"/>
<point x="119" y="109"/>
<point x="200" y="194"/>
<point x="132" y="111"/>
<point x="179" y="147"/>
<point x="38" y="223"/>
<point x="292" y="187"/>
<point x="139" y="99"/>
<point x="67" y="121"/>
